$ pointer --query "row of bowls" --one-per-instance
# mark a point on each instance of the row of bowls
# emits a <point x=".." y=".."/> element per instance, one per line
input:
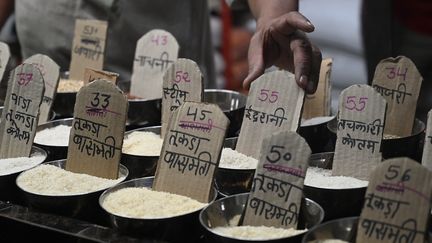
<point x="218" y="213"/>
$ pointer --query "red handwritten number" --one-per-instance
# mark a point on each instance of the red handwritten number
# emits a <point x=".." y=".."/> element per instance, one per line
<point x="181" y="75"/>
<point x="396" y="72"/>
<point x="24" y="78"/>
<point x="265" y="95"/>
<point x="159" y="39"/>
<point x="351" y="103"/>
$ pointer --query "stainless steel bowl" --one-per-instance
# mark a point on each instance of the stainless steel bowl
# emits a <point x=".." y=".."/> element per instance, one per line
<point x="141" y="166"/>
<point x="54" y="152"/>
<point x="338" y="229"/>
<point x="410" y="146"/>
<point x="232" y="103"/>
<point x="82" y="206"/>
<point x="337" y="203"/>
<point x="8" y="188"/>
<point x="223" y="212"/>
<point x="318" y="136"/>
<point x="233" y="181"/>
<point x="181" y="228"/>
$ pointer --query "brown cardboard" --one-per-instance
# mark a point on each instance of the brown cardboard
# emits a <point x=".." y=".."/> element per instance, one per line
<point x="427" y="148"/>
<point x="155" y="52"/>
<point x="398" y="81"/>
<point x="360" y="128"/>
<point x="91" y="75"/>
<point x="319" y="103"/>
<point x="4" y="58"/>
<point x="88" y="47"/>
<point x="274" y="104"/>
<point x="191" y="151"/>
<point x="21" y="109"/>
<point x="97" y="131"/>
<point x="277" y="188"/>
<point x="182" y="82"/>
<point x="397" y="203"/>
<point x="51" y="73"/>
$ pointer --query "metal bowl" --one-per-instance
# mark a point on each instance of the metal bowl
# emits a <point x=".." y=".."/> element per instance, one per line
<point x="233" y="181"/>
<point x="82" y="206"/>
<point x="54" y="152"/>
<point x="181" y="228"/>
<point x="141" y="166"/>
<point x="8" y="188"/>
<point x="232" y="103"/>
<point x="318" y="136"/>
<point x="223" y="211"/>
<point x="340" y="229"/>
<point x="337" y="203"/>
<point x="410" y="146"/>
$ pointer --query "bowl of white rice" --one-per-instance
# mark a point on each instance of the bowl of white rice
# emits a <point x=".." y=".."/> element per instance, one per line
<point x="53" y="136"/>
<point x="220" y="220"/>
<point x="50" y="188"/>
<point x="141" y="150"/>
<point x="340" y="196"/>
<point x="9" y="170"/>
<point x="236" y="170"/>
<point x="135" y="209"/>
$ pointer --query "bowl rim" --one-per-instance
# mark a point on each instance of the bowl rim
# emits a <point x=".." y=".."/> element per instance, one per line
<point x="34" y="149"/>
<point x="311" y="230"/>
<point x="246" y="194"/>
<point x="115" y="188"/>
<point x="62" y="161"/>
<point x="140" y="129"/>
<point x="44" y="126"/>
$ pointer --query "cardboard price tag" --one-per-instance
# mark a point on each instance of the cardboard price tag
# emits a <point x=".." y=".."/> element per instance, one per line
<point x="182" y="82"/>
<point x="319" y="104"/>
<point x="91" y="75"/>
<point x="274" y="104"/>
<point x="398" y="81"/>
<point x="191" y="151"/>
<point x="359" y="131"/>
<point x="397" y="203"/>
<point x="427" y="148"/>
<point x="88" y="47"/>
<point x="155" y="52"/>
<point x="51" y="74"/>
<point x="4" y="58"/>
<point x="97" y="131"/>
<point x="20" y="113"/>
<point x="277" y="189"/>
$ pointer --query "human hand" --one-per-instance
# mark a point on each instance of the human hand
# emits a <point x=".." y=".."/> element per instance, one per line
<point x="282" y="42"/>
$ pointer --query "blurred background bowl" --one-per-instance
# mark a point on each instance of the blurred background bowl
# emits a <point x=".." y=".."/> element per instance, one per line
<point x="9" y="191"/>
<point x="226" y="211"/>
<point x="341" y="229"/>
<point x="55" y="152"/>
<point x="233" y="181"/>
<point x="317" y="135"/>
<point x="181" y="228"/>
<point x="410" y="146"/>
<point x="232" y="103"/>
<point x="337" y="203"/>
<point x="83" y="206"/>
<point x="138" y="165"/>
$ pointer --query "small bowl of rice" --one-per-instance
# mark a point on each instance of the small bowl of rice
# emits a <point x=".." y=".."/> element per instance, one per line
<point x="220" y="220"/>
<point x="135" y="209"/>
<point x="50" y="188"/>
<point x="141" y="150"/>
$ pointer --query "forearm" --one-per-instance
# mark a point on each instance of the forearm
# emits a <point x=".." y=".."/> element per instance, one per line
<point x="6" y="9"/>
<point x="268" y="9"/>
